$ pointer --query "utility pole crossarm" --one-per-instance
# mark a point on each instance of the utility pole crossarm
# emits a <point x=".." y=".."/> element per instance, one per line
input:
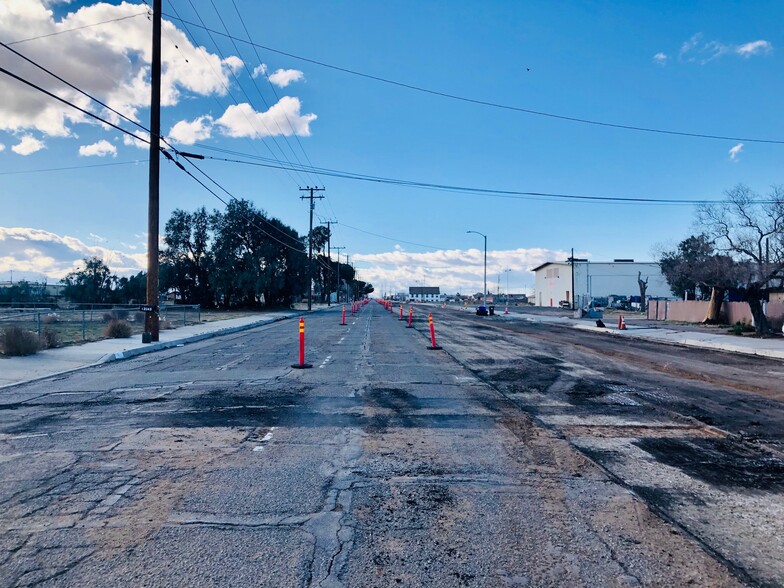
<point x="312" y="199"/>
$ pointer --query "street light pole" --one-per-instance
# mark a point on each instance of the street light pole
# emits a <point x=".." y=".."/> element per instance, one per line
<point x="484" y="292"/>
<point x="507" y="271"/>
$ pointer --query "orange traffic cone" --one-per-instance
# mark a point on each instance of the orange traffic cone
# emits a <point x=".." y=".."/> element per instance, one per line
<point x="621" y="323"/>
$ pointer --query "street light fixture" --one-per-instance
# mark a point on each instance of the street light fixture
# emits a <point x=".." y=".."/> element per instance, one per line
<point x="484" y="292"/>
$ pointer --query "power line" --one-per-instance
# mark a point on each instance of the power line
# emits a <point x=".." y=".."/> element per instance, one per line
<point x="497" y="105"/>
<point x="513" y="194"/>
<point x="52" y="169"/>
<point x="251" y="121"/>
<point x="392" y="238"/>
<point x="70" y="85"/>
<point x="258" y="90"/>
<point x="71" y="104"/>
<point x="95" y="24"/>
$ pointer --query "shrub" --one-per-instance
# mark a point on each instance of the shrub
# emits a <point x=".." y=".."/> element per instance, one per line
<point x="49" y="339"/>
<point x="739" y="328"/>
<point x="50" y="319"/>
<point x="165" y="325"/>
<point x="108" y="317"/>
<point x="117" y="330"/>
<point x="17" y="341"/>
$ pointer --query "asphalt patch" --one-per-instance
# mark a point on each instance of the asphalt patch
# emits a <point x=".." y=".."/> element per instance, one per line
<point x="719" y="462"/>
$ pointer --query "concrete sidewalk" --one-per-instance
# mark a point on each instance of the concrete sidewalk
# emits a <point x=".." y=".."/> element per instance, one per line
<point x="773" y="348"/>
<point x="51" y="362"/>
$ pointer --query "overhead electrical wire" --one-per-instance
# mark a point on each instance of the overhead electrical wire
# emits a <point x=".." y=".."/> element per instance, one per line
<point x="95" y="24"/>
<point x="491" y="104"/>
<point x="53" y="169"/>
<point x="250" y="121"/>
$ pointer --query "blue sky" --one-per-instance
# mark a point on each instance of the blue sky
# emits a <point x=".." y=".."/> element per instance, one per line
<point x="699" y="67"/>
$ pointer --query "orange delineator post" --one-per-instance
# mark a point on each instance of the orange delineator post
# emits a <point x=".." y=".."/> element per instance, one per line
<point x="410" y="317"/>
<point x="432" y="333"/>
<point x="343" y="320"/>
<point x="301" y="363"/>
<point x="401" y="313"/>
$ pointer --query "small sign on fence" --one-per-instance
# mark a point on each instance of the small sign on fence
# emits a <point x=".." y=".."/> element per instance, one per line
<point x="148" y="308"/>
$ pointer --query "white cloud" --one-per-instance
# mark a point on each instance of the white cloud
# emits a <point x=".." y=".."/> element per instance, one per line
<point x="283" y="118"/>
<point x="37" y="252"/>
<point x="131" y="142"/>
<point x="2" y="147"/>
<point x="735" y="151"/>
<point x="233" y="62"/>
<point x="454" y="270"/>
<point x="100" y="149"/>
<point x="696" y="50"/>
<point x="284" y="77"/>
<point x="187" y="133"/>
<point x="660" y="58"/>
<point x="259" y="70"/>
<point x="754" y="48"/>
<point x="27" y="145"/>
<point x="111" y="61"/>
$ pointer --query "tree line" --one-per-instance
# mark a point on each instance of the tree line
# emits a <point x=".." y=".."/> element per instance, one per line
<point x="738" y="253"/>
<point x="238" y="257"/>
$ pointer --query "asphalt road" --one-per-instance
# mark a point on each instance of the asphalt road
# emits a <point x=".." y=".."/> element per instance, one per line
<point x="386" y="464"/>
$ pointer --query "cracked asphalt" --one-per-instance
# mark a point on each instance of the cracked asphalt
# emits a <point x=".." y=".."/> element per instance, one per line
<point x="217" y="464"/>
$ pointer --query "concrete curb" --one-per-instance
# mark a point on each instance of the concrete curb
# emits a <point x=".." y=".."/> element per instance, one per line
<point x="659" y="336"/>
<point x="111" y="357"/>
<point x="151" y="348"/>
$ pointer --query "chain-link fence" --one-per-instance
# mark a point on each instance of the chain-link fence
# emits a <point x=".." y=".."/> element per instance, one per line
<point x="89" y="323"/>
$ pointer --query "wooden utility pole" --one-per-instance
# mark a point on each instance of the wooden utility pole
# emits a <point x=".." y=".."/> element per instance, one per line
<point x="312" y="199"/>
<point x="151" y="325"/>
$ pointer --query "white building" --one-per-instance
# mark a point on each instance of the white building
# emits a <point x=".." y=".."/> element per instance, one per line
<point x="596" y="279"/>
<point x="425" y="294"/>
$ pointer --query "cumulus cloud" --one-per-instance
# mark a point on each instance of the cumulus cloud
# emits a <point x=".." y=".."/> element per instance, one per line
<point x="454" y="270"/>
<point x="284" y="77"/>
<point x="188" y="132"/>
<point x="111" y="61"/>
<point x="283" y="118"/>
<point x="660" y="58"/>
<point x="259" y="70"/>
<point x="131" y="142"/>
<point x="754" y="48"/>
<point x="100" y="149"/>
<point x="2" y="147"/>
<point x="234" y="63"/>
<point x="27" y="145"/>
<point x="697" y="50"/>
<point x="735" y="151"/>
<point x="38" y="252"/>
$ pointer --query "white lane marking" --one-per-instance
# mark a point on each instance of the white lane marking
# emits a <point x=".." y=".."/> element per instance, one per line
<point x="325" y="362"/>
<point x="341" y="340"/>
<point x="233" y="363"/>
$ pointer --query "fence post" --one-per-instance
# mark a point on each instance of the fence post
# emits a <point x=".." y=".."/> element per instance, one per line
<point x="198" y="310"/>
<point x="184" y="320"/>
<point x="38" y="315"/>
<point x="84" y="316"/>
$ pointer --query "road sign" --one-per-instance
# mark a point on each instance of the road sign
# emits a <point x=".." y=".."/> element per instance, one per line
<point x="148" y="308"/>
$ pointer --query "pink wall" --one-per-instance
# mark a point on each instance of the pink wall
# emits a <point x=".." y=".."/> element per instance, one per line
<point x="693" y="311"/>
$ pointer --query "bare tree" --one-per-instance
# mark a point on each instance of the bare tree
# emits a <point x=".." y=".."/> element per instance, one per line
<point x="643" y="284"/>
<point x="750" y="230"/>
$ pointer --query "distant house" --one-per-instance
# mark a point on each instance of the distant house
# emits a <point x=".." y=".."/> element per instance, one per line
<point x="596" y="280"/>
<point x="425" y="294"/>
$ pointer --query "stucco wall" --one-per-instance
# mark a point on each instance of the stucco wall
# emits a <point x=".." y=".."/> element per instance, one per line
<point x="693" y="311"/>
